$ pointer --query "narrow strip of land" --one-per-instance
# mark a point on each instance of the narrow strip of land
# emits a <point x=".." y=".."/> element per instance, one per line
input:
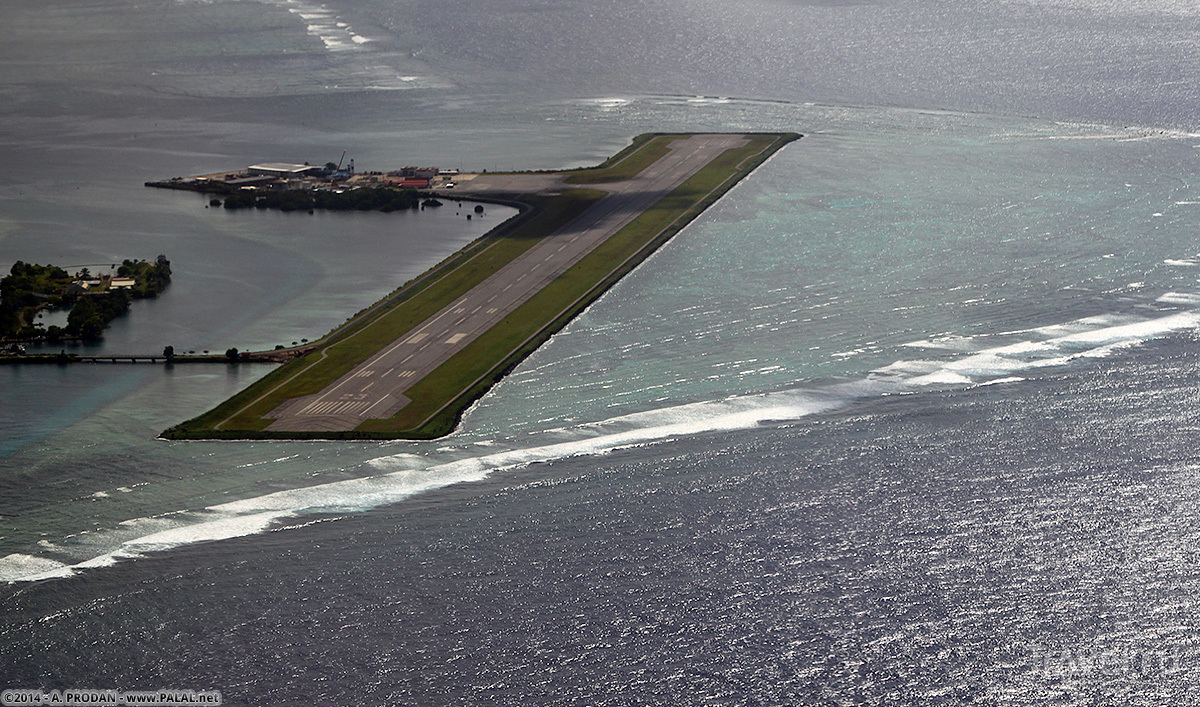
<point x="375" y="388"/>
<point x="455" y="335"/>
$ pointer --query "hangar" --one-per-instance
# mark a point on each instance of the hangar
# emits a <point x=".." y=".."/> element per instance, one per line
<point x="281" y="169"/>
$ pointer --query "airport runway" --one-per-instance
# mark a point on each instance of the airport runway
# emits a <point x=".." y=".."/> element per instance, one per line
<point x="375" y="388"/>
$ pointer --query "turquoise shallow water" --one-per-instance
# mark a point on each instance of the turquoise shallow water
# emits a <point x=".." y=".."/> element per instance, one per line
<point x="843" y="255"/>
<point x="829" y="276"/>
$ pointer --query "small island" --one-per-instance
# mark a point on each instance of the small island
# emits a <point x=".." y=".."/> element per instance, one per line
<point x="303" y="187"/>
<point x="94" y="301"/>
<point x="408" y="366"/>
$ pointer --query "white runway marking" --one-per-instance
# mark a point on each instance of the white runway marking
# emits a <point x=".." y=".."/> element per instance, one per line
<point x="333" y="407"/>
<point x="437" y="341"/>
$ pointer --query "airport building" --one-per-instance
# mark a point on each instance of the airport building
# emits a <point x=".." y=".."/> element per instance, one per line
<point x="282" y="170"/>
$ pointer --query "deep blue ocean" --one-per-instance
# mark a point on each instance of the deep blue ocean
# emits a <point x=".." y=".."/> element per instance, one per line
<point x="909" y="417"/>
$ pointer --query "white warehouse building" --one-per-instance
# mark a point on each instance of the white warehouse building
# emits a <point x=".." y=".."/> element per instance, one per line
<point x="280" y="169"/>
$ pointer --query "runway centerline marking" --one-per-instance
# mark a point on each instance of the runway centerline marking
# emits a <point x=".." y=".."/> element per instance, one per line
<point x="582" y="239"/>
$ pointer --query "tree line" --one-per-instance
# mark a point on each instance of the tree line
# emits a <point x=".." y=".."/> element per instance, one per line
<point x="29" y="288"/>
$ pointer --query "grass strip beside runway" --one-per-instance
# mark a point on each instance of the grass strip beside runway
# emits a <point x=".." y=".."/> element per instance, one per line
<point x="627" y="163"/>
<point x="439" y="398"/>
<point x="242" y="416"/>
<point x="435" y="410"/>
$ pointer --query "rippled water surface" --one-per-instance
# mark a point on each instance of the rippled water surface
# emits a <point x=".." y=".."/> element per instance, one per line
<point x="907" y="418"/>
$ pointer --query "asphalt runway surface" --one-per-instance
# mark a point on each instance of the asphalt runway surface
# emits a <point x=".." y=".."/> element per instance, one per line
<point x="376" y="388"/>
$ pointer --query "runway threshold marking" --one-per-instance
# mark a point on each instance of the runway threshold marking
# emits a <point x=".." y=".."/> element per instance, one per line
<point x="326" y="407"/>
<point x="334" y="407"/>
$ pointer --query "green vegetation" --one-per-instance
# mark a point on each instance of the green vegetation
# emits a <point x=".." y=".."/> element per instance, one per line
<point x="30" y="288"/>
<point x="150" y="278"/>
<point x="370" y="330"/>
<point x="644" y="151"/>
<point x="91" y="315"/>
<point x="363" y="199"/>
<point x="26" y="289"/>
<point x="440" y="397"/>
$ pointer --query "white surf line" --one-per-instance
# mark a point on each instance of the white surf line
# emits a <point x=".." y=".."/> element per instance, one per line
<point x="258" y="514"/>
<point x="635" y="254"/>
<point x="322" y="23"/>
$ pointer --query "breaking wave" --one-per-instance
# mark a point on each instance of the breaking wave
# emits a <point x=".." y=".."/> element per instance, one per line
<point x="958" y="363"/>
